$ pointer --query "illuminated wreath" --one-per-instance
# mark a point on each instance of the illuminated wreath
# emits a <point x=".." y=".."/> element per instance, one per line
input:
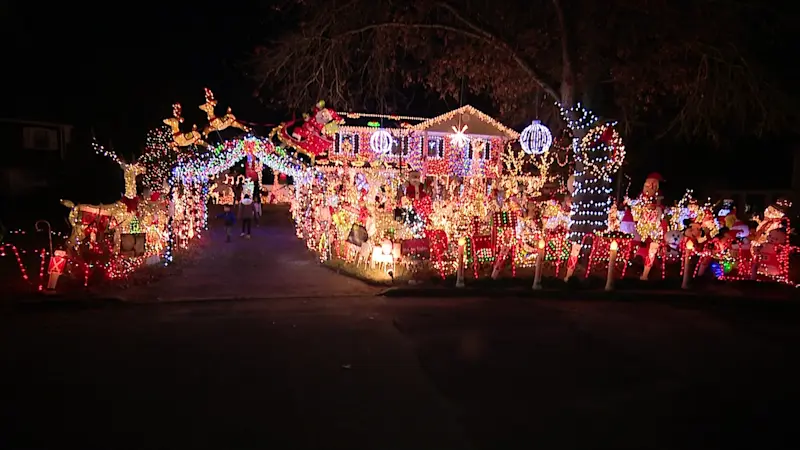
<point x="602" y="139"/>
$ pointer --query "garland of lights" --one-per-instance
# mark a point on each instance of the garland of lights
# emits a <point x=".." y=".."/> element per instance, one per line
<point x="227" y="154"/>
<point x="159" y="157"/>
<point x="601" y="140"/>
<point x="354" y="115"/>
<point x="592" y="187"/>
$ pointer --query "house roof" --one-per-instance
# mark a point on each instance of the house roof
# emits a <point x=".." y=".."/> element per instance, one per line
<point x="358" y="120"/>
<point x="476" y="122"/>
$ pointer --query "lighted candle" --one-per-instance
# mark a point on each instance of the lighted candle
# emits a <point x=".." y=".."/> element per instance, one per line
<point x="537" y="278"/>
<point x="687" y="258"/>
<point x="612" y="260"/>
<point x="460" y="274"/>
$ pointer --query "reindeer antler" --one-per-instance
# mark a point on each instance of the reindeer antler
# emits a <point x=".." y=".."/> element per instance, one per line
<point x="209" y="96"/>
<point x="176" y="110"/>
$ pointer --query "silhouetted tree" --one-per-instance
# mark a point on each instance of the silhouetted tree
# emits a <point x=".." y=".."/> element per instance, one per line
<point x="689" y="65"/>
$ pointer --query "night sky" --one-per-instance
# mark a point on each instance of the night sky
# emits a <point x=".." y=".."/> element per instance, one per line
<point x="118" y="69"/>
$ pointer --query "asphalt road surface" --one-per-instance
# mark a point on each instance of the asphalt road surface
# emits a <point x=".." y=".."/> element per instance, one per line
<point x="350" y="370"/>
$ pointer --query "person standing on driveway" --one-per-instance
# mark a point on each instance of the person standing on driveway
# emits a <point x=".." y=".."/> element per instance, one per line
<point x="246" y="213"/>
<point x="256" y="205"/>
<point x="229" y="219"/>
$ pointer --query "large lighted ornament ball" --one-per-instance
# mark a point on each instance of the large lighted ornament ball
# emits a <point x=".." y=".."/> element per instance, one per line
<point x="381" y="141"/>
<point x="536" y="138"/>
<point x="571" y="184"/>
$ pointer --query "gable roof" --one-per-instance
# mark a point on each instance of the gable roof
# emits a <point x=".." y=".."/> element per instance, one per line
<point x="476" y="121"/>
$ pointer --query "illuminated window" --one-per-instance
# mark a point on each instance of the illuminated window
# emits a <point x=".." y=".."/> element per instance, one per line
<point x="346" y="144"/>
<point x="435" y="147"/>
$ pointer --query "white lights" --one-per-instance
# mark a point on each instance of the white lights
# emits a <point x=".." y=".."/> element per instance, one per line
<point x="381" y="142"/>
<point x="577" y="117"/>
<point x="536" y="138"/>
<point x="459" y="139"/>
<point x="601" y="151"/>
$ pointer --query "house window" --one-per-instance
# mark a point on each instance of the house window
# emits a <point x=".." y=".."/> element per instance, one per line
<point x="482" y="147"/>
<point x="400" y="146"/>
<point x="435" y="147"/>
<point x="347" y="144"/>
<point x="37" y="138"/>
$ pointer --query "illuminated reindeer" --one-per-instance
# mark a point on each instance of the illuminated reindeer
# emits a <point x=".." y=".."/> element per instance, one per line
<point x="179" y="138"/>
<point x="218" y="123"/>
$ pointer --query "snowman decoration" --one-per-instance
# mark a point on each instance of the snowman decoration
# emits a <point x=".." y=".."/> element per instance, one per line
<point x="769" y="250"/>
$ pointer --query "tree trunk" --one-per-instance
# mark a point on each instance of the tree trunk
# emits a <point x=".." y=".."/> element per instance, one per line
<point x="591" y="199"/>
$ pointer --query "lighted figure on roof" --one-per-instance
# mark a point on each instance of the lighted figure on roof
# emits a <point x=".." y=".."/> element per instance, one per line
<point x="179" y="138"/>
<point x="216" y="123"/>
<point x="314" y="136"/>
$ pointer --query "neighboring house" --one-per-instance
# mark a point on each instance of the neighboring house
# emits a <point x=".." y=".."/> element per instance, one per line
<point x="33" y="155"/>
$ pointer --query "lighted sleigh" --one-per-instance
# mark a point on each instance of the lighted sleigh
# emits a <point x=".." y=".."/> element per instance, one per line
<point x="314" y="135"/>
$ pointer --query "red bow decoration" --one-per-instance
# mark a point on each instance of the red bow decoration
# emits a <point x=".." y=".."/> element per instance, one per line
<point x="608" y="135"/>
<point x="132" y="204"/>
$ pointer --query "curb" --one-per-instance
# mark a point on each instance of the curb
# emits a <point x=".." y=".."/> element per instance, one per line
<point x="349" y="274"/>
<point x="160" y="301"/>
<point x="692" y="298"/>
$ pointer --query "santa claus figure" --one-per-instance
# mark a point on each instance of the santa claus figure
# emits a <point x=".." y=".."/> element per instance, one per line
<point x="415" y="194"/>
<point x="651" y="226"/>
<point x="647" y="211"/>
<point x="414" y="189"/>
<point x="651" y="189"/>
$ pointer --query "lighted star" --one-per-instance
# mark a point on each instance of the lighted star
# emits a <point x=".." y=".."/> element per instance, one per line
<point x="459" y="138"/>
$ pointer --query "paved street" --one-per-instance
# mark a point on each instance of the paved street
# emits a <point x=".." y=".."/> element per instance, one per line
<point x="301" y="369"/>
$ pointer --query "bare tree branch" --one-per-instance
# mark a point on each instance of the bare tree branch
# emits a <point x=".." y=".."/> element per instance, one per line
<point x="567" y="72"/>
<point x="654" y="64"/>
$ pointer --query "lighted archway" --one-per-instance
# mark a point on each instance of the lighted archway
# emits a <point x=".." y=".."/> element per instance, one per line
<point x="227" y="154"/>
<point x="190" y="182"/>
